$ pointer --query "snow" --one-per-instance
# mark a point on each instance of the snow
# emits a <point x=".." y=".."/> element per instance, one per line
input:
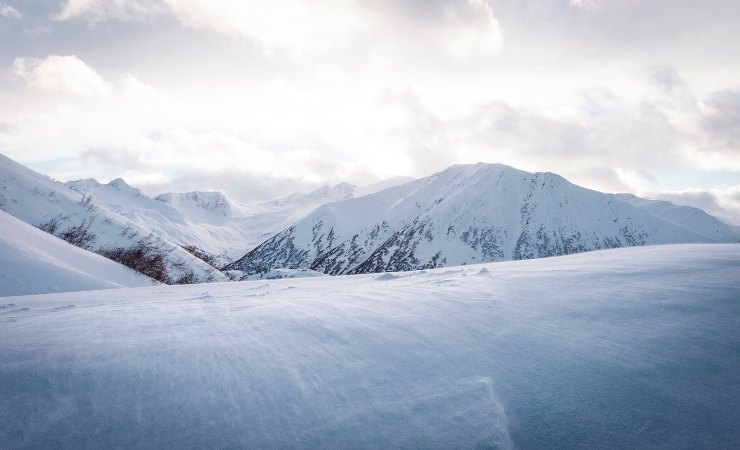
<point x="209" y="220"/>
<point x="689" y="217"/>
<point x="36" y="199"/>
<point x="625" y="348"/>
<point x="35" y="262"/>
<point x="276" y="274"/>
<point x="465" y="214"/>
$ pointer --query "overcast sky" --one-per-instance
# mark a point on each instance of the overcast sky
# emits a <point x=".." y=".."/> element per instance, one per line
<point x="262" y="98"/>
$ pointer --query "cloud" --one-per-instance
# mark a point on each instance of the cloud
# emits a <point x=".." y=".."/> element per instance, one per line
<point x="598" y="139"/>
<point x="184" y="160"/>
<point x="102" y="10"/>
<point x="596" y="131"/>
<point x="462" y="28"/>
<point x="585" y="4"/>
<point x="282" y="124"/>
<point x="722" y="121"/>
<point x="61" y="105"/>
<point x="63" y="74"/>
<point x="305" y="29"/>
<point x="8" y="11"/>
<point x="6" y="128"/>
<point x="295" y="27"/>
<point x="667" y="79"/>
<point x="291" y="26"/>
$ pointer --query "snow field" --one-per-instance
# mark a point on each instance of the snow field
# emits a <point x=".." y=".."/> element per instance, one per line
<point x="626" y="348"/>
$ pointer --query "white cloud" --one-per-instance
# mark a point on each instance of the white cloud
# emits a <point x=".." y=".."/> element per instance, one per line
<point x="472" y="30"/>
<point x="281" y="131"/>
<point x="102" y="10"/>
<point x="63" y="74"/>
<point x="293" y="26"/>
<point x="8" y="11"/>
<point x="304" y="29"/>
<point x="330" y="90"/>
<point x="721" y="114"/>
<point x="585" y="4"/>
<point x="185" y="160"/>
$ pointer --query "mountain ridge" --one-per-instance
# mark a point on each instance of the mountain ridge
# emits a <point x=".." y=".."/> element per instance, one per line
<point x="78" y="218"/>
<point x="464" y="214"/>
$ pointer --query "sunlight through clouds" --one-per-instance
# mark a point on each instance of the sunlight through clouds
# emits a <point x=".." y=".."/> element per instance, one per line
<point x="364" y="90"/>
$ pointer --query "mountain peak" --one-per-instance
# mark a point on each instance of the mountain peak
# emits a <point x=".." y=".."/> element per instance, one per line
<point x="213" y="202"/>
<point x="119" y="184"/>
<point x="339" y="191"/>
<point x="84" y="185"/>
<point x="324" y="194"/>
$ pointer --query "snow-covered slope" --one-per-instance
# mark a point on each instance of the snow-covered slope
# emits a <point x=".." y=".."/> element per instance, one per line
<point x="40" y="201"/>
<point x="689" y="217"/>
<point x="35" y="262"/>
<point x="209" y="220"/>
<point x="619" y="349"/>
<point x="202" y="219"/>
<point x="462" y="215"/>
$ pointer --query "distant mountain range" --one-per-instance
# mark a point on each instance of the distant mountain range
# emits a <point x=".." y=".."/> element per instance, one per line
<point x="463" y="215"/>
<point x="471" y="214"/>
<point x="208" y="220"/>
<point x="186" y="236"/>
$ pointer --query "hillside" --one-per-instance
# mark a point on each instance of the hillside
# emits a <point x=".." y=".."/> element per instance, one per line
<point x="35" y="262"/>
<point x="621" y="349"/>
<point x="50" y="205"/>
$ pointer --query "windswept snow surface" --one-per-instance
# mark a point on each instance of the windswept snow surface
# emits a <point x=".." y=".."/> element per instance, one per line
<point x="35" y="262"/>
<point x="625" y="348"/>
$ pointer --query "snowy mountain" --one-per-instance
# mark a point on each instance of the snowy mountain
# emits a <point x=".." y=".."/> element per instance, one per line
<point x="80" y="219"/>
<point x="689" y="217"/>
<point x="465" y="214"/>
<point x="324" y="194"/>
<point x="619" y="349"/>
<point x="208" y="220"/>
<point x="35" y="262"/>
<point x="198" y="205"/>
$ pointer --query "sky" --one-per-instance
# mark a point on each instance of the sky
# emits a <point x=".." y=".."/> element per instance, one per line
<point x="262" y="98"/>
